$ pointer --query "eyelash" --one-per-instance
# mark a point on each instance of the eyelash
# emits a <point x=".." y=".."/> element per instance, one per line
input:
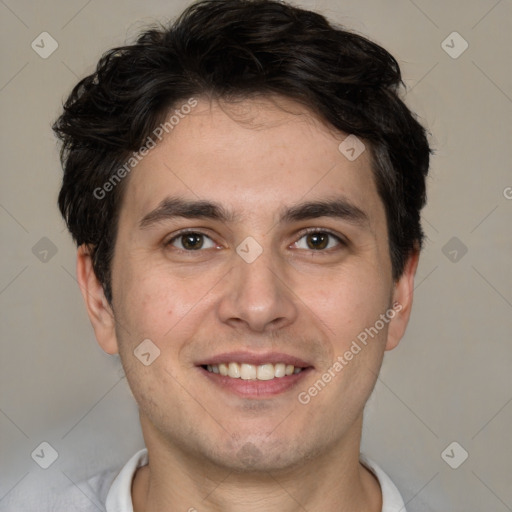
<point x="340" y="240"/>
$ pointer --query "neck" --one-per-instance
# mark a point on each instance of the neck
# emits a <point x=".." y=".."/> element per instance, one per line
<point x="333" y="482"/>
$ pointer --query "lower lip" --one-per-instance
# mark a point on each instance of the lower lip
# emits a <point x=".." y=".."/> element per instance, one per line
<point x="257" y="388"/>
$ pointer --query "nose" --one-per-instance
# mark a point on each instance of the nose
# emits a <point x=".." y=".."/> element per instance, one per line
<point x="257" y="296"/>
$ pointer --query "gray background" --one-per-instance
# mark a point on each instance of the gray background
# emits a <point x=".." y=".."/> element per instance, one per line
<point x="449" y="380"/>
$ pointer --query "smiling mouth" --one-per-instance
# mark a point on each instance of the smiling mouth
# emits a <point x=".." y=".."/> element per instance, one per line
<point x="247" y="371"/>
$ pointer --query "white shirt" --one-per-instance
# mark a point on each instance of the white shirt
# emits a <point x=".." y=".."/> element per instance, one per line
<point x="110" y="491"/>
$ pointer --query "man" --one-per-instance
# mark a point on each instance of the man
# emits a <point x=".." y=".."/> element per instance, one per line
<point x="245" y="188"/>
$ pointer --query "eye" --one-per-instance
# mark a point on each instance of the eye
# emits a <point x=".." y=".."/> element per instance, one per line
<point x="318" y="241"/>
<point x="191" y="241"/>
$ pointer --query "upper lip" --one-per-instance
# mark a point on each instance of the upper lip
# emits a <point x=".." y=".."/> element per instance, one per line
<point x="254" y="358"/>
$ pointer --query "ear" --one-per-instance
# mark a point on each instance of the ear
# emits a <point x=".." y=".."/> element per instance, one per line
<point x="402" y="301"/>
<point x="99" y="310"/>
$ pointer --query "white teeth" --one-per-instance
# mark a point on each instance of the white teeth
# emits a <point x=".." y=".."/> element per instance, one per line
<point x="246" y="371"/>
<point x="234" y="370"/>
<point x="266" y="372"/>
<point x="279" y="370"/>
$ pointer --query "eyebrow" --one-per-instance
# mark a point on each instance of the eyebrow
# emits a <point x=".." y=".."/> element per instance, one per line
<point x="172" y="207"/>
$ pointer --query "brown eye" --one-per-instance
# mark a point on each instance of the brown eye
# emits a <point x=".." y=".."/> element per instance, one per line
<point x="318" y="241"/>
<point x="191" y="242"/>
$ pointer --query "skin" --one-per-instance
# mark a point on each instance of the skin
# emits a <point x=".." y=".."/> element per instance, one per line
<point x="208" y="448"/>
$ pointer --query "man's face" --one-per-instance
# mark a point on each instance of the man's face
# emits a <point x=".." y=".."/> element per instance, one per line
<point x="287" y="266"/>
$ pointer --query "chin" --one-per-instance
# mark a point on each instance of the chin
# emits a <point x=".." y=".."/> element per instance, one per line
<point x="256" y="455"/>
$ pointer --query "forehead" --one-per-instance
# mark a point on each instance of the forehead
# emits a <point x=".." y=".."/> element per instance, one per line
<point x="254" y="156"/>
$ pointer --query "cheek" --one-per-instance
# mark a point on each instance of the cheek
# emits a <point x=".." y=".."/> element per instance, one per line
<point x="358" y="339"/>
<point x="162" y="306"/>
<point x="148" y="300"/>
<point x="150" y="387"/>
<point x="350" y="303"/>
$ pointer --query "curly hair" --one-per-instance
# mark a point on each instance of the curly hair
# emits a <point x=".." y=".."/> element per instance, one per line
<point x="234" y="49"/>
